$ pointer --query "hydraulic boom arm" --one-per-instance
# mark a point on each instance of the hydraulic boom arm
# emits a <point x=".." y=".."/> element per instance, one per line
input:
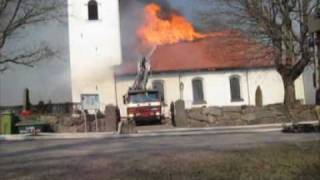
<point x="141" y="80"/>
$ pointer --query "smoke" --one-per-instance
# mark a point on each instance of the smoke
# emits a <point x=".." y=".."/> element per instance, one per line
<point x="131" y="17"/>
<point x="166" y="10"/>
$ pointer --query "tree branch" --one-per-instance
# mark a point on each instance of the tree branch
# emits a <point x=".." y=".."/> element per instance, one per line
<point x="18" y="14"/>
<point x="27" y="59"/>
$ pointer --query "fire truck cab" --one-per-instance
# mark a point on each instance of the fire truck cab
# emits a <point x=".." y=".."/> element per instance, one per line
<point x="143" y="105"/>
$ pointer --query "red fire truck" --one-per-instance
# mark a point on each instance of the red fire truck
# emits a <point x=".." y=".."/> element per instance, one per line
<point x="143" y="104"/>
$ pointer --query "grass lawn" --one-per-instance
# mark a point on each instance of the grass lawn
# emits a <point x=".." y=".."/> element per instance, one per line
<point x="268" y="161"/>
<point x="285" y="161"/>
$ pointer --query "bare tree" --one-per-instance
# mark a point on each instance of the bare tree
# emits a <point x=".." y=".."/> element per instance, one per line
<point x="281" y="25"/>
<point x="15" y="15"/>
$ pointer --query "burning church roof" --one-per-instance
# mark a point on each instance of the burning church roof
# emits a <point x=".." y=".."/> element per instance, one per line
<point x="179" y="47"/>
<point x="228" y="51"/>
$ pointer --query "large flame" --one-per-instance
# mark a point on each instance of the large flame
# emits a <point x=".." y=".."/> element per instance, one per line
<point x="158" y="31"/>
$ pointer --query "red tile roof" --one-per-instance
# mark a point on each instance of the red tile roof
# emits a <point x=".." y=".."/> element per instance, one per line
<point x="231" y="51"/>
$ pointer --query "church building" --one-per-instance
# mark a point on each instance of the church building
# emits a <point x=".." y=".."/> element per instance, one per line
<point x="89" y="61"/>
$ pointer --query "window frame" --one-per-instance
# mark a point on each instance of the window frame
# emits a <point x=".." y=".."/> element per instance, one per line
<point x="163" y="96"/>
<point x="95" y="5"/>
<point x="240" y="98"/>
<point x="203" y="100"/>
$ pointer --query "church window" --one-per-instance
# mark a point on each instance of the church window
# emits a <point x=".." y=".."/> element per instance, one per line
<point x="93" y="10"/>
<point x="198" y="95"/>
<point x="159" y="85"/>
<point x="235" y="88"/>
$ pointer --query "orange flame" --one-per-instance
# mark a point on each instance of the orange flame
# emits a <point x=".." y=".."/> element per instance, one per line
<point x="157" y="31"/>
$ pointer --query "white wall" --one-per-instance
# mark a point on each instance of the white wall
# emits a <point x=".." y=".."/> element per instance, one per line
<point x="309" y="89"/>
<point x="217" y="87"/>
<point x="50" y="78"/>
<point x="94" y="49"/>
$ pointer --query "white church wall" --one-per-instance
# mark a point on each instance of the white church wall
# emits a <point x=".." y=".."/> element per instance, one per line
<point x="270" y="83"/>
<point x="300" y="90"/>
<point x="309" y="89"/>
<point x="94" y="49"/>
<point x="216" y="87"/>
<point x="49" y="79"/>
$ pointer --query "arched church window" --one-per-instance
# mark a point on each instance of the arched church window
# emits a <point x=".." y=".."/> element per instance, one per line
<point x="93" y="10"/>
<point x="259" y="97"/>
<point x="235" y="88"/>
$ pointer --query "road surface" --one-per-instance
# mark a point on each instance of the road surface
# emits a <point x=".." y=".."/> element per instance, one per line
<point x="98" y="158"/>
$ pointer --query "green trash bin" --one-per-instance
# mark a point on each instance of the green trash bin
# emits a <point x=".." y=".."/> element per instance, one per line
<point x="7" y="123"/>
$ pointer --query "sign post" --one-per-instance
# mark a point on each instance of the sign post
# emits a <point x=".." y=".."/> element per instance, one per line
<point x="90" y="102"/>
<point x="96" y="118"/>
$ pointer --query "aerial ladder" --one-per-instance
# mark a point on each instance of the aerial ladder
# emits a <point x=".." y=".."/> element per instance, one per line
<point x="143" y="104"/>
<point x="141" y="79"/>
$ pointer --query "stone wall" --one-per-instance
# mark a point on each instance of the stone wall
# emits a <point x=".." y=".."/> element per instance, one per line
<point x="72" y="123"/>
<point x="75" y="122"/>
<point x="67" y="117"/>
<point x="247" y="115"/>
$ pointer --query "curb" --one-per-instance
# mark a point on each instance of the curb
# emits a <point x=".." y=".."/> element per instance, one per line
<point x="154" y="133"/>
<point x="115" y="135"/>
<point x="219" y="128"/>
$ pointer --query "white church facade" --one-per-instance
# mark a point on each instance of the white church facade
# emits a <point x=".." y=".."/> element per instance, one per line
<point x="90" y="48"/>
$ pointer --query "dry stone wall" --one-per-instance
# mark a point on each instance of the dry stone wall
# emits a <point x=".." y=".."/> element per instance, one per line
<point x="67" y="117"/>
<point x="72" y="123"/>
<point x="247" y="115"/>
<point x="76" y="122"/>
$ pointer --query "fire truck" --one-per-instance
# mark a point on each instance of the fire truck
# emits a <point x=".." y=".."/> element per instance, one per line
<point x="143" y="104"/>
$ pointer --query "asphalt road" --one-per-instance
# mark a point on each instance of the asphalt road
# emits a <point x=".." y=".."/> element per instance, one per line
<point x="70" y="159"/>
